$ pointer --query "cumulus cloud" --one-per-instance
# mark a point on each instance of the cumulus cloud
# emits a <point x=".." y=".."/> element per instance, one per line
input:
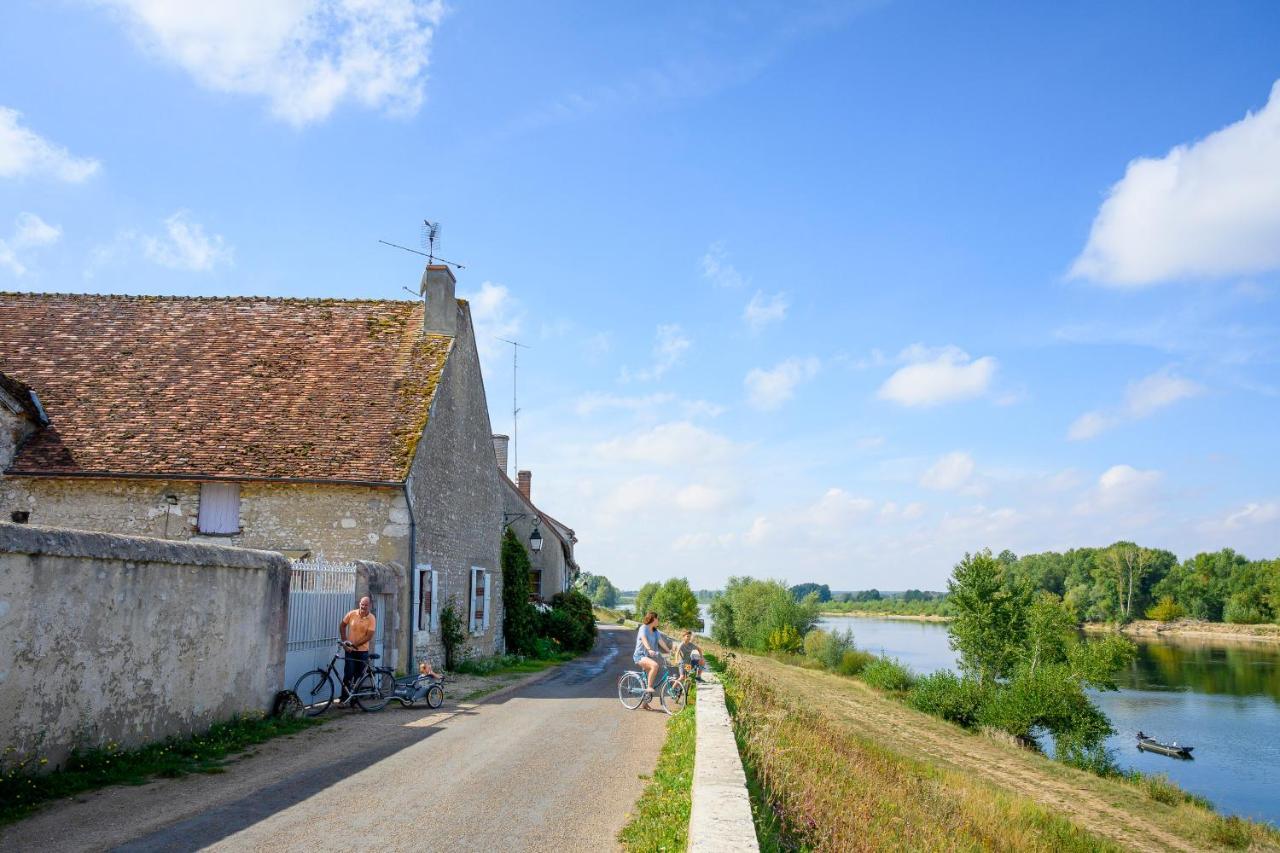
<point x="1142" y="399"/>
<point x="1251" y="515"/>
<point x="717" y="269"/>
<point x="1207" y="209"/>
<point x="672" y="444"/>
<point x="763" y="310"/>
<point x="185" y="246"/>
<point x="769" y="389"/>
<point x="23" y="152"/>
<point x="29" y="232"/>
<point x="935" y="376"/>
<point x="949" y="473"/>
<point x="305" y="57"/>
<point x="1122" y="488"/>
<point x="837" y="509"/>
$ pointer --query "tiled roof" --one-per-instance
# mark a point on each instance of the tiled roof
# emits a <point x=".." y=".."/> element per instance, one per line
<point x="242" y="387"/>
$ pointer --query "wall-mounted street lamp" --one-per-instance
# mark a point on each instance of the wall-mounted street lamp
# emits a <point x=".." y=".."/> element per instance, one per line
<point x="535" y="538"/>
<point x="535" y="541"/>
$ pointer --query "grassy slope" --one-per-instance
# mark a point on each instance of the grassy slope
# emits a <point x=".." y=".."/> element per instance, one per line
<point x="852" y="769"/>
<point x="661" y="818"/>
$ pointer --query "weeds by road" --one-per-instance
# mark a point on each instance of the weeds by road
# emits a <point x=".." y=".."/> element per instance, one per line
<point x="661" y="819"/>
<point x="23" y="788"/>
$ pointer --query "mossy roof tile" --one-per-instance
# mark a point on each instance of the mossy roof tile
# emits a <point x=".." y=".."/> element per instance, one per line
<point x="239" y="387"/>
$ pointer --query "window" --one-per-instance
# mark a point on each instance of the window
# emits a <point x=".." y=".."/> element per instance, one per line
<point x="479" y="600"/>
<point x="535" y="583"/>
<point x="427" y="596"/>
<point x="219" y="508"/>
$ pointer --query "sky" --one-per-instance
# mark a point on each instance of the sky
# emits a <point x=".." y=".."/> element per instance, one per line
<point x="828" y="292"/>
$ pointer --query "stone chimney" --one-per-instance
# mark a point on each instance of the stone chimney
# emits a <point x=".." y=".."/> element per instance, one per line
<point x="500" y="450"/>
<point x="524" y="481"/>
<point x="441" y="314"/>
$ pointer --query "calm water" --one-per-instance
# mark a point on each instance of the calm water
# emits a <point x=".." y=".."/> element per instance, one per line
<point x="1222" y="699"/>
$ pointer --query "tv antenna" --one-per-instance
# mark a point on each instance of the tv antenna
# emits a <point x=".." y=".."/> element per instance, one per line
<point x="430" y="237"/>
<point x="516" y="346"/>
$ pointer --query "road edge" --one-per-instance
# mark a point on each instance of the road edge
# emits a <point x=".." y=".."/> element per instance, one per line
<point x="720" y="816"/>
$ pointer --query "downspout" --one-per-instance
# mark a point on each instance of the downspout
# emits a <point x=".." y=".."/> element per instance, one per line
<point x="410" y="668"/>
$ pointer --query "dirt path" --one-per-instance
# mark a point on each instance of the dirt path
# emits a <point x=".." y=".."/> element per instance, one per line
<point x="1033" y="776"/>
<point x="553" y="765"/>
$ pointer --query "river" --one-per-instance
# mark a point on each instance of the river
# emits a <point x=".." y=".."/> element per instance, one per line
<point x="1221" y="698"/>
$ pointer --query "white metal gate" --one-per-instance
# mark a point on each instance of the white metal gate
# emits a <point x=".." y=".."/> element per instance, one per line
<point x="320" y="594"/>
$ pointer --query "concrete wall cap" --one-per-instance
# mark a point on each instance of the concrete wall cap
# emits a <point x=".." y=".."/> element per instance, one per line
<point x="64" y="542"/>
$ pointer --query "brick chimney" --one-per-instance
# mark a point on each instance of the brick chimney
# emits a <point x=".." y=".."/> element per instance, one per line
<point x="524" y="481"/>
<point x="440" y="316"/>
<point x="500" y="450"/>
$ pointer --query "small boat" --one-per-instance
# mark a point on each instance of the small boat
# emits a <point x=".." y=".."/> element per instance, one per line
<point x="1173" y="750"/>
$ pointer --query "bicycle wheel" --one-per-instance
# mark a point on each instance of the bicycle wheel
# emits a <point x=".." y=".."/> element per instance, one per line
<point x="374" y="689"/>
<point x="315" y="691"/>
<point x="674" y="697"/>
<point x="435" y="696"/>
<point x="631" y="687"/>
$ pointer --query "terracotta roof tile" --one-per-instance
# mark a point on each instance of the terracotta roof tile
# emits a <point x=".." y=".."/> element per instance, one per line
<point x="242" y="387"/>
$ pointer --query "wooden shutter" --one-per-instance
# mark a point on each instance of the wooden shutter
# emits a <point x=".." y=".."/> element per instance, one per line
<point x="426" y="599"/>
<point x="435" y="599"/>
<point x="471" y="609"/>
<point x="219" y="508"/>
<point x="487" y="595"/>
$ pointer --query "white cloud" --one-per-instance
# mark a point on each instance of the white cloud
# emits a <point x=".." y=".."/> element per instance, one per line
<point x="1142" y="399"/>
<point x="913" y="510"/>
<point x="185" y="246"/>
<point x="949" y="473"/>
<point x="837" y="509"/>
<point x="769" y="389"/>
<point x="717" y="269"/>
<point x="672" y="444"/>
<point x="697" y="497"/>
<point x="1122" y="488"/>
<point x="1251" y="515"/>
<point x="590" y="404"/>
<point x="762" y="310"/>
<point x="29" y="232"/>
<point x="669" y="346"/>
<point x="1208" y="209"/>
<point x="24" y="152"/>
<point x="935" y="376"/>
<point x="305" y="57"/>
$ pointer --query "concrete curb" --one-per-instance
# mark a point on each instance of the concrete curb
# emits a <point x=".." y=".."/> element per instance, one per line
<point x="720" y="818"/>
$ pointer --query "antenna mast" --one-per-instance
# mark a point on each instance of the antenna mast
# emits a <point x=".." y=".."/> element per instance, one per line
<point x="430" y="236"/>
<point x="516" y="346"/>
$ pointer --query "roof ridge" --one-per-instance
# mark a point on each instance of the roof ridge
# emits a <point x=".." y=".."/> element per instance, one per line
<point x="238" y="298"/>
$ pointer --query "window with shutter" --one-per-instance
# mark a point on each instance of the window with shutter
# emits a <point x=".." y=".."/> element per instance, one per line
<point x="426" y="600"/>
<point x="487" y="597"/>
<point x="475" y="589"/>
<point x="219" y="508"/>
<point x="535" y="583"/>
<point x="477" y="612"/>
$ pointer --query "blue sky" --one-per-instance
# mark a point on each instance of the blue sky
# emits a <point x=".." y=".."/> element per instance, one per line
<point x="828" y="292"/>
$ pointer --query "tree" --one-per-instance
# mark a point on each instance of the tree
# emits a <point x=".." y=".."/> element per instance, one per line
<point x="1125" y="565"/>
<point x="749" y="611"/>
<point x="519" y="619"/>
<point x="644" y="597"/>
<point x="802" y="589"/>
<point x="989" y="621"/>
<point x="867" y="595"/>
<point x="676" y="605"/>
<point x="598" y="588"/>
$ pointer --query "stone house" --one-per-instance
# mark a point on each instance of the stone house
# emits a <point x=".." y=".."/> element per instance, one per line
<point x="551" y="563"/>
<point x="352" y="430"/>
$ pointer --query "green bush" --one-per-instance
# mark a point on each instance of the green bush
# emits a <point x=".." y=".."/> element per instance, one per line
<point x="785" y="638"/>
<point x="814" y="642"/>
<point x="451" y="632"/>
<point x="829" y="649"/>
<point x="1165" y="610"/>
<point x="946" y="695"/>
<point x="570" y="622"/>
<point x="854" y="661"/>
<point x="519" y="619"/>
<point x="887" y="674"/>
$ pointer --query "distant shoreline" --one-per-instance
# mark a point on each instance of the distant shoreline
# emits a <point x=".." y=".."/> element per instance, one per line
<point x="902" y="617"/>
<point x="1190" y="629"/>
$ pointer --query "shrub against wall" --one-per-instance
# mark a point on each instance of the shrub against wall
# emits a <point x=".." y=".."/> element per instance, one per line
<point x="519" y="619"/>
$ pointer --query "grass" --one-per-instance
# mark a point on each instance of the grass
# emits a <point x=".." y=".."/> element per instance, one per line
<point x="661" y="819"/>
<point x="22" y="791"/>
<point x="823" y="787"/>
<point x="823" y="748"/>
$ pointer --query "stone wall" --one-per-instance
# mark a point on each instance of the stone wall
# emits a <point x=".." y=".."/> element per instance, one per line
<point x="126" y="640"/>
<point x="340" y="523"/>
<point x="454" y="487"/>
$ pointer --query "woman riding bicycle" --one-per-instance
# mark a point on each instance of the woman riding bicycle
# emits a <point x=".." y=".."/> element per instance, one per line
<point x="648" y="642"/>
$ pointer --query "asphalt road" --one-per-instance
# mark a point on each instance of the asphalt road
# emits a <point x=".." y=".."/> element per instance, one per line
<point x="553" y="765"/>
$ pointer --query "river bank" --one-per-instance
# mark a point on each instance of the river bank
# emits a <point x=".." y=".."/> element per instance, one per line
<point x="1192" y="629"/>
<point x="850" y="767"/>
<point x="900" y="617"/>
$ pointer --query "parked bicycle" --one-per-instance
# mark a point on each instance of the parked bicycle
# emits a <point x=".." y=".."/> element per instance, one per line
<point x="371" y="692"/>
<point x="672" y="693"/>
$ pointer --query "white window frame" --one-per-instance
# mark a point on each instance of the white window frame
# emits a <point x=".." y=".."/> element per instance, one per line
<point x="427" y="578"/>
<point x="213" y="499"/>
<point x="479" y="626"/>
